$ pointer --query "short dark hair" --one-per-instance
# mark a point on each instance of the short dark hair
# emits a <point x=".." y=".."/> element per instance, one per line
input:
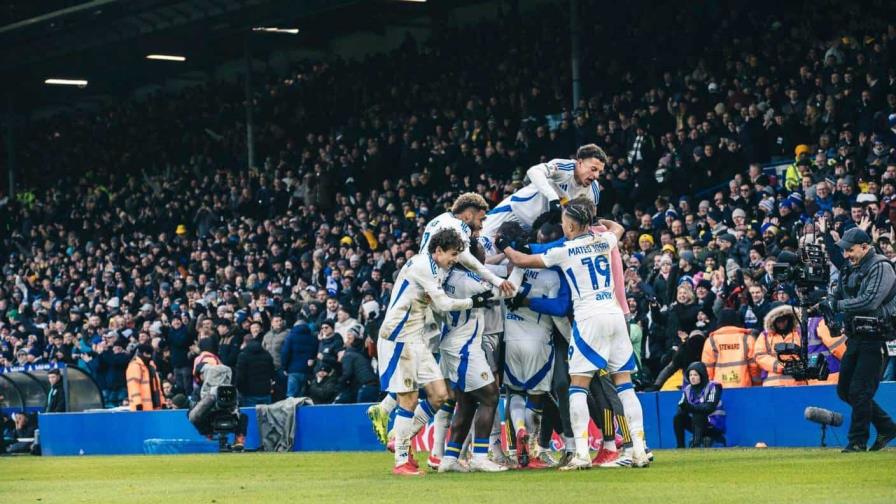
<point x="591" y="151"/>
<point x="513" y="232"/>
<point x="551" y="231"/>
<point x="446" y="239"/>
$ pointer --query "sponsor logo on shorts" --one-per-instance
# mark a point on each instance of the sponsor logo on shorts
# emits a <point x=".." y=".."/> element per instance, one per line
<point x="408" y="382"/>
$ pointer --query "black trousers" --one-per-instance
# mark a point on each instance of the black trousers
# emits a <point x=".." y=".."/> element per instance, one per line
<point x="556" y="415"/>
<point x="604" y="405"/>
<point x="861" y="369"/>
<point x="697" y="423"/>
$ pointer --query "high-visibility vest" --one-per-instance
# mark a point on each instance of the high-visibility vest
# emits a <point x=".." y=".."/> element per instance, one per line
<point x="141" y="384"/>
<point x="767" y="358"/>
<point x="728" y="356"/>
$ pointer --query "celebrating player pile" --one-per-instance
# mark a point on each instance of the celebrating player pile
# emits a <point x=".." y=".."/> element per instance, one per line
<point x="450" y="278"/>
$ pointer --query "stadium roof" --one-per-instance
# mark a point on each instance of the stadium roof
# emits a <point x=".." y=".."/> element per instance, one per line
<point x="106" y="41"/>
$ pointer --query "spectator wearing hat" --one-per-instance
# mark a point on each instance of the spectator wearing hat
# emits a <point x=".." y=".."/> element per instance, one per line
<point x="358" y="381"/>
<point x="345" y="323"/>
<point x="663" y="280"/>
<point x="143" y="384"/>
<point x="781" y="325"/>
<point x="56" y="394"/>
<point x="254" y="373"/>
<point x="700" y="409"/>
<point x="297" y="358"/>
<point x="324" y="387"/>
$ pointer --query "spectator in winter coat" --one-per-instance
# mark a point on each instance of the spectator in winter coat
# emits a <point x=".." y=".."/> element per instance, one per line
<point x="329" y="345"/>
<point x="728" y="353"/>
<point x="758" y="307"/>
<point x="297" y="358"/>
<point x="359" y="383"/>
<point x="700" y="410"/>
<point x="56" y="395"/>
<point x="180" y="339"/>
<point x="273" y="339"/>
<point x="781" y="326"/>
<point x="229" y="343"/>
<point x="254" y="373"/>
<point x="113" y="364"/>
<point x="325" y="385"/>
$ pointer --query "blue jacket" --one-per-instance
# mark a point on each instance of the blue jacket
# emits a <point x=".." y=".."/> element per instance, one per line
<point x="298" y="348"/>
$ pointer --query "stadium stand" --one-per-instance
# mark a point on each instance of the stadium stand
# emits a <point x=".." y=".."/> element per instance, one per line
<point x="141" y="223"/>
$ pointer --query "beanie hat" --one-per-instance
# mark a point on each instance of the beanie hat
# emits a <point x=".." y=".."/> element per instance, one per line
<point x="647" y="237"/>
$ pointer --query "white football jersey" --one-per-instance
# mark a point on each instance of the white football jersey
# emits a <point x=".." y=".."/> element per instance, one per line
<point x="525" y="324"/>
<point x="419" y="283"/>
<point x="586" y="263"/>
<point x="447" y="220"/>
<point x="461" y="325"/>
<point x="557" y="176"/>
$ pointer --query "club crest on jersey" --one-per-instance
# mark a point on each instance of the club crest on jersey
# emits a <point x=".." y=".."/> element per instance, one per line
<point x="408" y="382"/>
<point x="484" y="376"/>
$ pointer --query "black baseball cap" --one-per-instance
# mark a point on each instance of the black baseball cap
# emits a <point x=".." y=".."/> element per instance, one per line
<point x="853" y="236"/>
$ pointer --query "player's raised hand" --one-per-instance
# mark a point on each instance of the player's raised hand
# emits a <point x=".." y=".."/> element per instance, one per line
<point x="507" y="288"/>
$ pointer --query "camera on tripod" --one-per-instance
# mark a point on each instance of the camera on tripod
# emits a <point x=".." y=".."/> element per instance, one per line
<point x="814" y="367"/>
<point x="810" y="269"/>
<point x="217" y="414"/>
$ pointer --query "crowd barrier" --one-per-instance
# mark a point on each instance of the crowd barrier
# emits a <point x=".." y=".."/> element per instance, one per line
<point x="770" y="415"/>
<point x="116" y="432"/>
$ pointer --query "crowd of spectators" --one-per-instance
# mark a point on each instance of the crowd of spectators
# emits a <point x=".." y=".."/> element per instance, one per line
<point x="142" y="225"/>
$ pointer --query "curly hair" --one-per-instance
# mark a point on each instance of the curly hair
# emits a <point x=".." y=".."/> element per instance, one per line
<point x="468" y="200"/>
<point x="446" y="239"/>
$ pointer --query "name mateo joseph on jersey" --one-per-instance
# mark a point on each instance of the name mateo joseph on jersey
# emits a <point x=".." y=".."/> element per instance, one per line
<point x="589" y="249"/>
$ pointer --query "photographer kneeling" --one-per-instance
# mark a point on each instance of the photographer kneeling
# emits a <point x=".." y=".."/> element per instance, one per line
<point x="866" y="295"/>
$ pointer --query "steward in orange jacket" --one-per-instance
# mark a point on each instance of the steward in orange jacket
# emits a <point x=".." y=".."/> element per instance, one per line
<point x="781" y="326"/>
<point x="144" y="387"/>
<point x="728" y="354"/>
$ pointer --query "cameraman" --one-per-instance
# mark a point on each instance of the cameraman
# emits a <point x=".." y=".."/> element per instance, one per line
<point x="867" y="287"/>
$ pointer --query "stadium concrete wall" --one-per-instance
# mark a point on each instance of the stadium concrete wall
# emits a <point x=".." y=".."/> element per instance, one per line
<point x="773" y="416"/>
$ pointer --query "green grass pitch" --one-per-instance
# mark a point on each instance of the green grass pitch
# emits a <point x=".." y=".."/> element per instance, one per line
<point x="693" y="476"/>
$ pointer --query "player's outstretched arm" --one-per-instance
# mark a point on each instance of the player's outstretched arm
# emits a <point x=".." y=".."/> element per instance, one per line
<point x="471" y="263"/>
<point x="539" y="176"/>
<point x="613" y="227"/>
<point x="556" y="306"/>
<point x="522" y="260"/>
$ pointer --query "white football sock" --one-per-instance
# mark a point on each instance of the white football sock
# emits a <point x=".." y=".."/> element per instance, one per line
<point x="579" y="417"/>
<point x="388" y="403"/>
<point x="633" y="414"/>
<point x="517" y="411"/>
<point x="441" y="423"/>
<point x="422" y="415"/>
<point x="403" y="429"/>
